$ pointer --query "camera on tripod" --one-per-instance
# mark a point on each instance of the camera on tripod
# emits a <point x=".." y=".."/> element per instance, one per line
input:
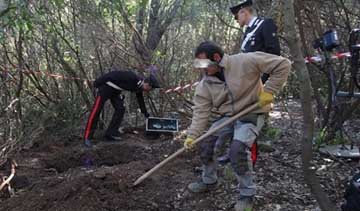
<point x="354" y="41"/>
<point x="328" y="41"/>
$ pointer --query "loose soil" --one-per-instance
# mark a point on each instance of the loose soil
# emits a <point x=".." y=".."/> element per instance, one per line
<point x="59" y="173"/>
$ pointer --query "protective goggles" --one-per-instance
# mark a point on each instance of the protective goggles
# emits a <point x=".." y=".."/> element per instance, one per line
<point x="203" y="63"/>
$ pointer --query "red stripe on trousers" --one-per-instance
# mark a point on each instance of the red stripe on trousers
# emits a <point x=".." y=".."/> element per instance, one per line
<point x="92" y="115"/>
<point x="254" y="153"/>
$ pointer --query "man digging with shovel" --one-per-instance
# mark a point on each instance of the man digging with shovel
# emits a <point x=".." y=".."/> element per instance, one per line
<point x="231" y="84"/>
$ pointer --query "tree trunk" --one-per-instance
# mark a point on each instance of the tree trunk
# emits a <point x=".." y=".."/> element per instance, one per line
<point x="306" y="102"/>
<point x="19" y="51"/>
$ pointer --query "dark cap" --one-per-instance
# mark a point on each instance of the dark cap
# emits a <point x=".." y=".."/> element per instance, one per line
<point x="152" y="81"/>
<point x="244" y="3"/>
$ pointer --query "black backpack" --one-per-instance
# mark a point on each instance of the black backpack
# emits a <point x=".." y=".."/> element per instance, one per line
<point x="352" y="195"/>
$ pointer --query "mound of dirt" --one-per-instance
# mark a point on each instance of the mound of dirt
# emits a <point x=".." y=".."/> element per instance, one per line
<point x="63" y="179"/>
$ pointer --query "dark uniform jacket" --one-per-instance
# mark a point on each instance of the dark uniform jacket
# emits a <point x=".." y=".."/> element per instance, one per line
<point x="261" y="36"/>
<point x="126" y="80"/>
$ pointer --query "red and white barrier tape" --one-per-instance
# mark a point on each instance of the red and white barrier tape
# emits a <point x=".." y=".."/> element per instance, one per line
<point x="319" y="59"/>
<point x="188" y="86"/>
<point x="44" y="73"/>
<point x="307" y="60"/>
<point x="56" y="76"/>
<point x="62" y="77"/>
<point x="181" y="88"/>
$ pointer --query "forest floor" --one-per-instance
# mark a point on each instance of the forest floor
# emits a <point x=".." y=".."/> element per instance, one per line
<point x="52" y="176"/>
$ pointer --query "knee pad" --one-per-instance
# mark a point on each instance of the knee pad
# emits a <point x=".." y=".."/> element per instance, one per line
<point x="240" y="157"/>
<point x="207" y="149"/>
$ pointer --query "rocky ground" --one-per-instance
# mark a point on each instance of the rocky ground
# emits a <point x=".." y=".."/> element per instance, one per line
<point x="59" y="173"/>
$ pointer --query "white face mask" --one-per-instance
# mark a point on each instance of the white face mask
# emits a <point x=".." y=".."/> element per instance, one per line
<point x="203" y="63"/>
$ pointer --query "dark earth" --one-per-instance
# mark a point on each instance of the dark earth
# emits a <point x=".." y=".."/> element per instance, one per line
<point x="59" y="173"/>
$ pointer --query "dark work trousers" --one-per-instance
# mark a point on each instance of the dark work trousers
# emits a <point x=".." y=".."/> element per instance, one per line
<point x="243" y="151"/>
<point x="105" y="93"/>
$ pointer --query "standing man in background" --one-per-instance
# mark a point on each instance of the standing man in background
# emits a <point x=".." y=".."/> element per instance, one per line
<point x="260" y="34"/>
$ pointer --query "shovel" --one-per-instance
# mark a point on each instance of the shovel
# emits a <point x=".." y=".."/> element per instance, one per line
<point x="170" y="158"/>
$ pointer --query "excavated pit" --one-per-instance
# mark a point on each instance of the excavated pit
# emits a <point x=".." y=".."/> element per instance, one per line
<point x="101" y="155"/>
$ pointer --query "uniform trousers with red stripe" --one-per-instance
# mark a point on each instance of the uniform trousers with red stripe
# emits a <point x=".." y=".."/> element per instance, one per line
<point x="243" y="153"/>
<point x="105" y="93"/>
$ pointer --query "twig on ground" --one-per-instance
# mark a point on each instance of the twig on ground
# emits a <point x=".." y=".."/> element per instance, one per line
<point x="7" y="179"/>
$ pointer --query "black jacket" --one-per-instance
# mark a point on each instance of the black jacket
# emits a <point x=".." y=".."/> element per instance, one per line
<point x="126" y="80"/>
<point x="264" y="37"/>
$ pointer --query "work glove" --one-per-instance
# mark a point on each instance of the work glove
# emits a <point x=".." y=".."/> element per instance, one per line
<point x="188" y="143"/>
<point x="146" y="115"/>
<point x="265" y="98"/>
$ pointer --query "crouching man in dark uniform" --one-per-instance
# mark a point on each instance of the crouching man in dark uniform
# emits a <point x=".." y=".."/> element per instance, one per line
<point x="110" y="87"/>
